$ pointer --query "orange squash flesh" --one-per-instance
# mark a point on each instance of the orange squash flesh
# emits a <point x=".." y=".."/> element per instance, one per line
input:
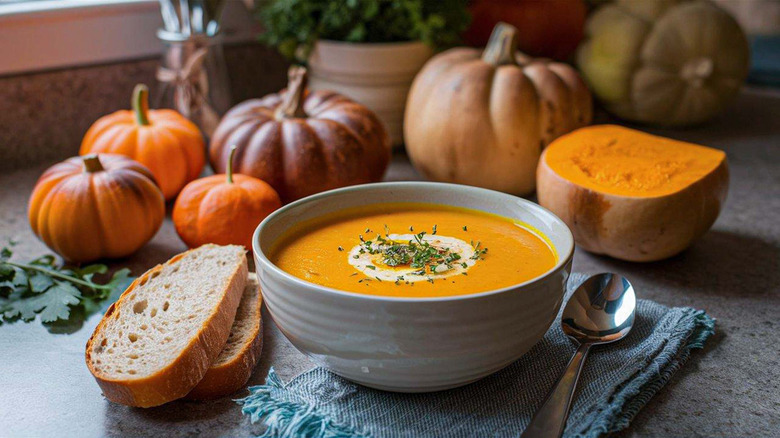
<point x="631" y="195"/>
<point x="317" y="251"/>
<point x="622" y="161"/>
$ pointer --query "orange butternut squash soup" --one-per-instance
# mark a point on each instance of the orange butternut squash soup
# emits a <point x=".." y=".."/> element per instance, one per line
<point x="413" y="250"/>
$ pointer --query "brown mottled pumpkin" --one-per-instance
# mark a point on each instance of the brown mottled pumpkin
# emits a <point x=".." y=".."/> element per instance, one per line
<point x="96" y="206"/>
<point x="483" y="118"/>
<point x="302" y="142"/>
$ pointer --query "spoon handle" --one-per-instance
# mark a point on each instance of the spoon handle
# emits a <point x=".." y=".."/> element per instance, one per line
<point x="550" y="419"/>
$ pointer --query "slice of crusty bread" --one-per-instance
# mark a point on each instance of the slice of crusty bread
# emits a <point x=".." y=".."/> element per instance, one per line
<point x="157" y="341"/>
<point x="234" y="365"/>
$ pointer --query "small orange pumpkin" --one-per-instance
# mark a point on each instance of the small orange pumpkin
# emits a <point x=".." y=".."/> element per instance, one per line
<point x="223" y="209"/>
<point x="163" y="140"/>
<point x="96" y="206"/>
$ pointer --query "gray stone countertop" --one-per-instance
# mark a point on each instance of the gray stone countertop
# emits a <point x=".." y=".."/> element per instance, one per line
<point x="731" y="388"/>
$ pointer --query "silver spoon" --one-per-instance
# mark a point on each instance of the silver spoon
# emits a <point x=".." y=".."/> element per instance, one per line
<point x="600" y="311"/>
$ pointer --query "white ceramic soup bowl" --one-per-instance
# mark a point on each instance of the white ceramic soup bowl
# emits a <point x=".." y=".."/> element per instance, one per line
<point x="413" y="344"/>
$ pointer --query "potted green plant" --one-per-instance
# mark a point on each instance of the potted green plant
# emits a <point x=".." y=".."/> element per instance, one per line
<point x="369" y="50"/>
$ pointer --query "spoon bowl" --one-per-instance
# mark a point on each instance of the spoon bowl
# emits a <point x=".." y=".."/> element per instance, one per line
<point x="600" y="311"/>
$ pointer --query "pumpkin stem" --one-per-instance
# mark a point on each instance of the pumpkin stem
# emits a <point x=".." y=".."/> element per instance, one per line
<point x="140" y="104"/>
<point x="92" y="163"/>
<point x="501" y="46"/>
<point x="698" y="70"/>
<point x="292" y="105"/>
<point x="230" y="164"/>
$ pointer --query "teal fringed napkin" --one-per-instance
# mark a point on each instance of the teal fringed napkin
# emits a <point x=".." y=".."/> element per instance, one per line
<point x="617" y="381"/>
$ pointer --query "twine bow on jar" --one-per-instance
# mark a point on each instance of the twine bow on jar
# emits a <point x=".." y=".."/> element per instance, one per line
<point x="191" y="90"/>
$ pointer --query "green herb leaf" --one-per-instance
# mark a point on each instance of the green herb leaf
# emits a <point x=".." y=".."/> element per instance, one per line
<point x="63" y="296"/>
<point x="39" y="282"/>
<point x="20" y="277"/>
<point x="57" y="299"/>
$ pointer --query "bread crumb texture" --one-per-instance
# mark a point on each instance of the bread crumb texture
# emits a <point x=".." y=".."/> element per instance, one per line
<point x="244" y="327"/>
<point x="154" y="322"/>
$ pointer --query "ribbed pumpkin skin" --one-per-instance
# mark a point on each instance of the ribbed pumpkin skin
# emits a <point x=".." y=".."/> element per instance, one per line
<point x="483" y="118"/>
<point x="211" y="210"/>
<point x="339" y="143"/>
<point x="171" y="146"/>
<point x="85" y="216"/>
<point x="664" y="63"/>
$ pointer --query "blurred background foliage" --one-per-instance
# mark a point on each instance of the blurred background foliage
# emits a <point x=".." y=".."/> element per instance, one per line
<point x="294" y="25"/>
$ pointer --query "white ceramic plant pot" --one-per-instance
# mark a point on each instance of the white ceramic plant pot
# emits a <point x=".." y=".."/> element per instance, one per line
<point x="378" y="75"/>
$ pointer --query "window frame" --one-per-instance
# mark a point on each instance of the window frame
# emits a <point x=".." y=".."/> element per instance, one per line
<point x="53" y="34"/>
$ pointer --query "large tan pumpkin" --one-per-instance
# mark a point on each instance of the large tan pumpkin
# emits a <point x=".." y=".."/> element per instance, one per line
<point x="663" y="62"/>
<point x="302" y="143"/>
<point x="631" y="195"/>
<point x="483" y="118"/>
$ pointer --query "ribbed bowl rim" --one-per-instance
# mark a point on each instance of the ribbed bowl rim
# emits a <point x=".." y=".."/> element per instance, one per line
<point x="564" y="254"/>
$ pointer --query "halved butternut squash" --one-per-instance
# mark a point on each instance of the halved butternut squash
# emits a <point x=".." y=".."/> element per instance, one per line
<point x="632" y="195"/>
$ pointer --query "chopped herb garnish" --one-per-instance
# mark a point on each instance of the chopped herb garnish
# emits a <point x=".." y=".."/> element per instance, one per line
<point x="368" y="230"/>
<point x="417" y="253"/>
<point x="411" y="229"/>
<point x="465" y="228"/>
<point x="341" y="249"/>
<point x="478" y="251"/>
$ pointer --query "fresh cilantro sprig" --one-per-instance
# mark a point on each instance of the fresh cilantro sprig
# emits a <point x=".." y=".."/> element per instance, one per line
<point x="62" y="296"/>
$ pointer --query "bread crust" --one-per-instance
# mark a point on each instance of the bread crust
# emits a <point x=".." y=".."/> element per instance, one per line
<point x="231" y="376"/>
<point x="178" y="378"/>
